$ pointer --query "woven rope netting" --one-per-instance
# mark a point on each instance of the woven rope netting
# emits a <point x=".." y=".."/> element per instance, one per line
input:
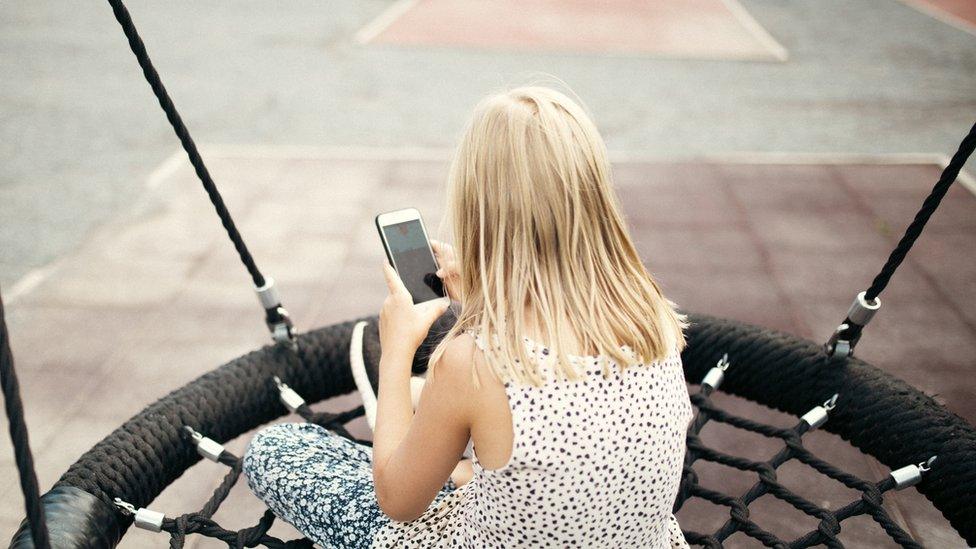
<point x="829" y="521"/>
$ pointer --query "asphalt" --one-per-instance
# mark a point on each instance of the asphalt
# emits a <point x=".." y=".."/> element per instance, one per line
<point x="81" y="130"/>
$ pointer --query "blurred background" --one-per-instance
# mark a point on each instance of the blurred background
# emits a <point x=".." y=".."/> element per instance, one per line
<point x="768" y="153"/>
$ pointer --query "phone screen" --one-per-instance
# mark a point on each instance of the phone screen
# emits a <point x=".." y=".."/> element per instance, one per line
<point x="413" y="260"/>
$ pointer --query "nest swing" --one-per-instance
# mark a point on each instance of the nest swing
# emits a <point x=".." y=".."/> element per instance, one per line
<point x="823" y="385"/>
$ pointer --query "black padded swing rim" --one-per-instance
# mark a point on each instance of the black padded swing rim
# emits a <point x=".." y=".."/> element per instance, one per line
<point x="877" y="413"/>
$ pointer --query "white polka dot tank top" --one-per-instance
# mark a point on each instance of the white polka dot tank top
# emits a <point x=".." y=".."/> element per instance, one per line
<point x="595" y="463"/>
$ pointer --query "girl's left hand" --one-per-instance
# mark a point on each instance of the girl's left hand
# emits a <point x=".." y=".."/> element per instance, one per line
<point x="404" y="325"/>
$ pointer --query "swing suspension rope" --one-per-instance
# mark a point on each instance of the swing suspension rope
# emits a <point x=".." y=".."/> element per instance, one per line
<point x="840" y="344"/>
<point x="19" y="437"/>
<point x="275" y="315"/>
<point x="867" y="303"/>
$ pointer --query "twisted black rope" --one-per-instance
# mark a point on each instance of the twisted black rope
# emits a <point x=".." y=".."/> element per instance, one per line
<point x="334" y="422"/>
<point x="18" y="435"/>
<point x="152" y="77"/>
<point x="829" y="526"/>
<point x="931" y="203"/>
<point x="201" y="522"/>
<point x="848" y="333"/>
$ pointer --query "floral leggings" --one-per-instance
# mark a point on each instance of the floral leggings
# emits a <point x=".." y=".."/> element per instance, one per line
<point x="319" y="482"/>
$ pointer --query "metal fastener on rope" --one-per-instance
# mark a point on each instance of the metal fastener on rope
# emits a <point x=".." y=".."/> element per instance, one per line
<point x="715" y="376"/>
<point x="147" y="519"/>
<point x="292" y="400"/>
<point x="910" y="475"/>
<point x="206" y="447"/>
<point x="124" y="506"/>
<point x="276" y="316"/>
<point x="846" y="336"/>
<point x="818" y="415"/>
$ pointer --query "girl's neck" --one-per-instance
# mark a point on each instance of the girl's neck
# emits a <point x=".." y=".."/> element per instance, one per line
<point x="535" y="332"/>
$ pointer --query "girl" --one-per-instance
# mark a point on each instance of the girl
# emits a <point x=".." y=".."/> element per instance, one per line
<point x="563" y="369"/>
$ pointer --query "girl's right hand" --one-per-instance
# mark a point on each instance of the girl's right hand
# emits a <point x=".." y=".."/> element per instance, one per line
<point x="448" y="271"/>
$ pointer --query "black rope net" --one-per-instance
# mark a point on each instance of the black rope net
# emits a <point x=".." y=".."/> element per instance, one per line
<point x="827" y="533"/>
<point x="829" y="520"/>
<point x="201" y="522"/>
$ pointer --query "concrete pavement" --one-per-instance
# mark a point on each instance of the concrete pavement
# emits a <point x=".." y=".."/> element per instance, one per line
<point x="80" y="127"/>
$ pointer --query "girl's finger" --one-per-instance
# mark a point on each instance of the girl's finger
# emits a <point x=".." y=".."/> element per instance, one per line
<point x="436" y="308"/>
<point x="393" y="282"/>
<point x="441" y="250"/>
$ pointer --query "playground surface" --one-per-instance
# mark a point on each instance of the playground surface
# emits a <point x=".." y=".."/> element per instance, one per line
<point x="156" y="297"/>
<point x="768" y="155"/>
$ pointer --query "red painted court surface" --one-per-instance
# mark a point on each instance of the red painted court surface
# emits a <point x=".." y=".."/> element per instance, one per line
<point x="712" y="29"/>
<point x="157" y="298"/>
<point x="961" y="13"/>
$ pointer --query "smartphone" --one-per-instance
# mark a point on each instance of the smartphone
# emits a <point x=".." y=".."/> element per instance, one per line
<point x="407" y="247"/>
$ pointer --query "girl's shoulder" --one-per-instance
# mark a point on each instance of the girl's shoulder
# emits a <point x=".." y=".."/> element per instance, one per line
<point x="463" y="359"/>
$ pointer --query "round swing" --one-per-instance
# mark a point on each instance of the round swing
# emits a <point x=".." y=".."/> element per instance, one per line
<point x="822" y="385"/>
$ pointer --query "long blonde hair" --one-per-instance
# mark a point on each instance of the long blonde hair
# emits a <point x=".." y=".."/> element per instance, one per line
<point x="537" y="227"/>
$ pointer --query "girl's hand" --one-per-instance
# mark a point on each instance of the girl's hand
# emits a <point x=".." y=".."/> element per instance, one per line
<point x="403" y="325"/>
<point x="463" y="473"/>
<point x="448" y="271"/>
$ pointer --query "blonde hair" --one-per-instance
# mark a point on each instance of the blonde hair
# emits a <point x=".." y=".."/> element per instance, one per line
<point x="537" y="227"/>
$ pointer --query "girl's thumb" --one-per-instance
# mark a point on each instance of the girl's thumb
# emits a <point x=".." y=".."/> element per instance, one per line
<point x="440" y="307"/>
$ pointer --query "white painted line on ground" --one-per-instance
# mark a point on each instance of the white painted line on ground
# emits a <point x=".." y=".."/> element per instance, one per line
<point x="326" y="152"/>
<point x="746" y="157"/>
<point x="965" y="178"/>
<point x="434" y="154"/>
<point x="752" y="27"/>
<point x="383" y="20"/>
<point x="166" y="169"/>
<point x="941" y="15"/>
<point x="29" y="282"/>
<point x="756" y="30"/>
<point x="34" y="278"/>
<point x="331" y="152"/>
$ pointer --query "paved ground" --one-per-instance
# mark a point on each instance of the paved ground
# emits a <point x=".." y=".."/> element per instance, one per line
<point x="80" y="128"/>
<point x="124" y="288"/>
<point x="693" y="29"/>
<point x="156" y="298"/>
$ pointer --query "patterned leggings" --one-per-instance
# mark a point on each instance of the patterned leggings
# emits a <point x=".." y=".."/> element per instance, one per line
<point x="319" y="482"/>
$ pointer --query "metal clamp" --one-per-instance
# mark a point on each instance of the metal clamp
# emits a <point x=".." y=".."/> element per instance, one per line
<point x="818" y="415"/>
<point x="715" y="375"/>
<point x="147" y="519"/>
<point x="268" y="294"/>
<point x="861" y="312"/>
<point x="910" y="475"/>
<point x="206" y="447"/>
<point x="292" y="400"/>
<point x="282" y="329"/>
<point x="841" y="344"/>
<point x="276" y="316"/>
